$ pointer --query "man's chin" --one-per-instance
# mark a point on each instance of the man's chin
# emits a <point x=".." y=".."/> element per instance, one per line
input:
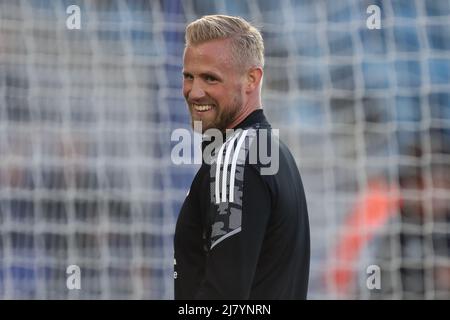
<point x="200" y="126"/>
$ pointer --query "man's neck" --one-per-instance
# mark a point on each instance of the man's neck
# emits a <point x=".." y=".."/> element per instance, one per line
<point x="243" y="116"/>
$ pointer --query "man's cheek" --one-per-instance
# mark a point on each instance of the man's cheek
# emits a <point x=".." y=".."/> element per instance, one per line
<point x="185" y="89"/>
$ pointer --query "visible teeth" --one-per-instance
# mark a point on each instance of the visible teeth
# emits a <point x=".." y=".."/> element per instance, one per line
<point x="206" y="107"/>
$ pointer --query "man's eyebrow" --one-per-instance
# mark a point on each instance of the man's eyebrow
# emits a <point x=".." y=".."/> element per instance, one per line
<point x="211" y="74"/>
<point x="203" y="74"/>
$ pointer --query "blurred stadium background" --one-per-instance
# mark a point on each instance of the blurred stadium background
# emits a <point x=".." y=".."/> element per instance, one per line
<point x="86" y="117"/>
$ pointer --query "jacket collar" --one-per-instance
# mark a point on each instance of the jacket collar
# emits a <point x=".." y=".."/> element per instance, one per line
<point x="255" y="120"/>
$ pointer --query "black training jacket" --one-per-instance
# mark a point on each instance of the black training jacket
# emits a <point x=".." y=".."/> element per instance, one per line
<point x="243" y="230"/>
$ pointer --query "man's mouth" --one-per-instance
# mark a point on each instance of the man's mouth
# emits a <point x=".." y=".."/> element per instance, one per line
<point x="202" y="107"/>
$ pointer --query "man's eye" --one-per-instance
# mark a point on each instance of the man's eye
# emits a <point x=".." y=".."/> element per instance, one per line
<point x="210" y="78"/>
<point x="187" y="77"/>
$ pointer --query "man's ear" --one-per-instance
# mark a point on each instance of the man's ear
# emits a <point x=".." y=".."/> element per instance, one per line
<point x="254" y="77"/>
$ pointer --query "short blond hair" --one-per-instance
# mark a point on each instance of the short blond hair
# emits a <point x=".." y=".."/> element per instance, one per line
<point x="246" y="41"/>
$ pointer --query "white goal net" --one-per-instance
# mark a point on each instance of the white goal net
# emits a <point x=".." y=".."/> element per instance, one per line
<point x="86" y="117"/>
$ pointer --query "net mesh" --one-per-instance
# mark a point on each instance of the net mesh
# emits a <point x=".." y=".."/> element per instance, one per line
<point x="86" y="117"/>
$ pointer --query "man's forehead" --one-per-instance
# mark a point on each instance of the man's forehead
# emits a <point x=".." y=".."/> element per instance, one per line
<point x="214" y="51"/>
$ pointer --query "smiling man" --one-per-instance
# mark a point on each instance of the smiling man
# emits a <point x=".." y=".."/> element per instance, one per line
<point x="241" y="233"/>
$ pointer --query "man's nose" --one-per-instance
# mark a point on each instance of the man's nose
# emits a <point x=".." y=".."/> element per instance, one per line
<point x="196" y="92"/>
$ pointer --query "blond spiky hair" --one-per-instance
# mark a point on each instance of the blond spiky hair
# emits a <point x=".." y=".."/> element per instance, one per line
<point x="246" y="41"/>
